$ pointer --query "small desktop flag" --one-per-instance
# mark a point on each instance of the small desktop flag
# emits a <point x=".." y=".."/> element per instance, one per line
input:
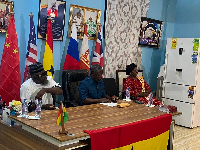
<point x="48" y="54"/>
<point x="65" y="115"/>
<point x="72" y="58"/>
<point x="98" y="52"/>
<point x="31" y="55"/>
<point x="84" y="52"/>
<point x="10" y="79"/>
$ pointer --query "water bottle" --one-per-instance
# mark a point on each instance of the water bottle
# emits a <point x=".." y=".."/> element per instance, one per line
<point x="150" y="102"/>
<point x="25" y="109"/>
<point x="38" y="109"/>
<point x="127" y="93"/>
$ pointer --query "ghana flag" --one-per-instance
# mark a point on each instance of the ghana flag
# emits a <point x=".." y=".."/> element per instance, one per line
<point x="48" y="54"/>
<point x="150" y="134"/>
<point x="65" y="115"/>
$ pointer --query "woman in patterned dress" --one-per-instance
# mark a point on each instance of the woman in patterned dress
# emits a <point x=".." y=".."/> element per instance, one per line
<point x="138" y="87"/>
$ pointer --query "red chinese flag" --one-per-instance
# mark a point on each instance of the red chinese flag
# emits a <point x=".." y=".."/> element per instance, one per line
<point x="10" y="81"/>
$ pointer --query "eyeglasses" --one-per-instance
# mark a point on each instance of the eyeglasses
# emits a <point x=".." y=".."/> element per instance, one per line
<point x="41" y="75"/>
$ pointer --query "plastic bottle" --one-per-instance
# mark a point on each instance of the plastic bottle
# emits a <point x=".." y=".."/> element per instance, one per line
<point x="150" y="102"/>
<point x="127" y="93"/>
<point x="38" y="109"/>
<point x="25" y="109"/>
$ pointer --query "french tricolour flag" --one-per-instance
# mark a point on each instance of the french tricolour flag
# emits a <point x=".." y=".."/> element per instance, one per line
<point x="72" y="58"/>
<point x="98" y="52"/>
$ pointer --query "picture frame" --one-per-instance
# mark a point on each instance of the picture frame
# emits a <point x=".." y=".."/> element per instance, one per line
<point x="83" y="15"/>
<point x="150" y="32"/>
<point x="5" y="13"/>
<point x="56" y="10"/>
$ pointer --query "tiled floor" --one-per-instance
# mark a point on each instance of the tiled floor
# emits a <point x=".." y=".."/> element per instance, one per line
<point x="186" y="138"/>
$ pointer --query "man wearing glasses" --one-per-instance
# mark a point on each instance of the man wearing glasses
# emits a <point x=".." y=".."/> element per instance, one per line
<point x="39" y="86"/>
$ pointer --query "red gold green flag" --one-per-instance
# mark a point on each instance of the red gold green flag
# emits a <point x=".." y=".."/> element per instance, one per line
<point x="150" y="134"/>
<point x="48" y="54"/>
<point x="65" y="116"/>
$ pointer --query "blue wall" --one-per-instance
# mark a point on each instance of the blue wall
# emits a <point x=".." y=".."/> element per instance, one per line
<point x="152" y="59"/>
<point x="187" y="19"/>
<point x="180" y="19"/>
<point x="22" y="9"/>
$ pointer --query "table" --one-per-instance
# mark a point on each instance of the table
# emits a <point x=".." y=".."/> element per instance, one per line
<point x="88" y="117"/>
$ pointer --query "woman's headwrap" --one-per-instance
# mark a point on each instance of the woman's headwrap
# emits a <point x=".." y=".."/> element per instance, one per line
<point x="129" y="68"/>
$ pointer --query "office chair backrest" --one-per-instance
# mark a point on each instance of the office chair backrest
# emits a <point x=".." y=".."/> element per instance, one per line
<point x="70" y="82"/>
<point x="110" y="87"/>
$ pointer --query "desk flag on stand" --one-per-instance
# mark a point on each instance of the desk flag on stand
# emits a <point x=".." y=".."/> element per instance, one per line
<point x="98" y="52"/>
<point x="48" y="54"/>
<point x="84" y="52"/>
<point x="31" y="55"/>
<point x="72" y="58"/>
<point x="10" y="79"/>
<point x="62" y="118"/>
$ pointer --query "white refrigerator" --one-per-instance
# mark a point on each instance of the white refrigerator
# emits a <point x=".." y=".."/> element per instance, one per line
<point x="182" y="79"/>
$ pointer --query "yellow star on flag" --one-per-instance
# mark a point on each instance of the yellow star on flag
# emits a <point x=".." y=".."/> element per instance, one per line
<point x="7" y="45"/>
<point x="7" y="35"/>
<point x="15" y="51"/>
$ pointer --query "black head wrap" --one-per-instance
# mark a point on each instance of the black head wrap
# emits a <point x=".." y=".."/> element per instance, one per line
<point x="129" y="68"/>
<point x="35" y="68"/>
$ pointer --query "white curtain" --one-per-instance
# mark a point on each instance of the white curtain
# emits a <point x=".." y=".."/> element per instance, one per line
<point x="122" y="31"/>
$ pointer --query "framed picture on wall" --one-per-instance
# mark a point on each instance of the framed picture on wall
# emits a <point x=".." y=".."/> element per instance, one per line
<point x="82" y="15"/>
<point x="5" y="11"/>
<point x="55" y="9"/>
<point x="150" y="32"/>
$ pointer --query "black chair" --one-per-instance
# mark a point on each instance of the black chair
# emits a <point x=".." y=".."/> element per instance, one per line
<point x="70" y="82"/>
<point x="110" y="87"/>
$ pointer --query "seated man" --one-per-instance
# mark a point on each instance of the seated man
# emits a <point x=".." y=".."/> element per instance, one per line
<point x="39" y="86"/>
<point x="91" y="89"/>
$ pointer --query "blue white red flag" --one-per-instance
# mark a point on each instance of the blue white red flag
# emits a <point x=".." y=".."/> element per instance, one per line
<point x="98" y="52"/>
<point x="72" y="61"/>
<point x="31" y="55"/>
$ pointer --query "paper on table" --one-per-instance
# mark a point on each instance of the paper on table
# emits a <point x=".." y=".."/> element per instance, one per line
<point x="109" y="104"/>
<point x="128" y="100"/>
<point x="33" y="117"/>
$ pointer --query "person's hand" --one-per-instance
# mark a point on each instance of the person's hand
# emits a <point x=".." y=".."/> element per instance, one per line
<point x="49" y="107"/>
<point x="40" y="94"/>
<point x="146" y="94"/>
<point x="143" y="94"/>
<point x="105" y="100"/>
<point x="114" y="98"/>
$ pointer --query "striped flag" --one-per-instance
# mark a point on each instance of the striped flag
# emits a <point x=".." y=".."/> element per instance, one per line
<point x="84" y="52"/>
<point x="140" y="135"/>
<point x="31" y="55"/>
<point x="48" y="54"/>
<point x="98" y="52"/>
<point x="72" y="61"/>
<point x="65" y="115"/>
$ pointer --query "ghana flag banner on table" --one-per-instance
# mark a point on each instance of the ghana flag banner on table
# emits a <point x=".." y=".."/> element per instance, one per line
<point x="65" y="115"/>
<point x="150" y="134"/>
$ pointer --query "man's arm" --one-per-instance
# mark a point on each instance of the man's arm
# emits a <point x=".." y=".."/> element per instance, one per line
<point x="54" y="90"/>
<point x="95" y="101"/>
